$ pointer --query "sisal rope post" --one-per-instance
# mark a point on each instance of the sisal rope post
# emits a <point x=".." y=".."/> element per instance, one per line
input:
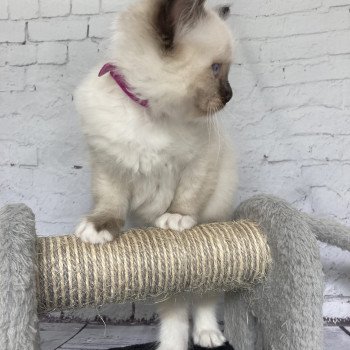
<point x="149" y="264"/>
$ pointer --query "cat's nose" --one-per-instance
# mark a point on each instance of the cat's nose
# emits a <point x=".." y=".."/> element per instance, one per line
<point x="226" y="92"/>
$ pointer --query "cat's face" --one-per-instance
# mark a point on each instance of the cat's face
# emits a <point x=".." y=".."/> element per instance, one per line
<point x="198" y="43"/>
<point x="180" y="52"/>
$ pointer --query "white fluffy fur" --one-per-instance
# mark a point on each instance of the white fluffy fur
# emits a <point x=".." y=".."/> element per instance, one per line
<point x="206" y="332"/>
<point x="175" y="222"/>
<point x="87" y="233"/>
<point x="164" y="165"/>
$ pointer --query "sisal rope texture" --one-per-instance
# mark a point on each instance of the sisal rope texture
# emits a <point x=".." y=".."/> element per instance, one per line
<point x="149" y="264"/>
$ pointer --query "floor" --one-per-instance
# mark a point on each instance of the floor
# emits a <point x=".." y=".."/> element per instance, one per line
<point x="80" y="336"/>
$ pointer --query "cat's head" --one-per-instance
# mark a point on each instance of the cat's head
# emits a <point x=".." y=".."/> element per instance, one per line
<point x="176" y="53"/>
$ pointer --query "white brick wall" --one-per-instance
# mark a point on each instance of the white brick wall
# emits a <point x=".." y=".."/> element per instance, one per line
<point x="113" y="6"/>
<point x="290" y="114"/>
<point x="52" y="53"/>
<point x="57" y="29"/>
<point x="23" y="9"/>
<point x="12" y="31"/>
<point x="3" y="9"/>
<point x="21" y="55"/>
<point x="54" y="8"/>
<point x="83" y="7"/>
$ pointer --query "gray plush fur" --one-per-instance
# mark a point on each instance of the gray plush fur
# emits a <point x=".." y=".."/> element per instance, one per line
<point x="330" y="232"/>
<point x="285" y="311"/>
<point x="18" y="317"/>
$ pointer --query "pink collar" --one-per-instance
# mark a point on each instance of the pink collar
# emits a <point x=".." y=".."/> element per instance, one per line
<point x="120" y="80"/>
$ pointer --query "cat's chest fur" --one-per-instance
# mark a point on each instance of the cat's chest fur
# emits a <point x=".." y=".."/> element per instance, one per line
<point x="131" y="137"/>
<point x="154" y="155"/>
<point x="150" y="148"/>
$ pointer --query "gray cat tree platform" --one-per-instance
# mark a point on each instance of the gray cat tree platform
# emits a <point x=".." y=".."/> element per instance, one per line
<point x="267" y="262"/>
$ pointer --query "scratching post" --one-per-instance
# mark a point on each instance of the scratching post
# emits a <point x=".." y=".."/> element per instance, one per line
<point x="52" y="273"/>
<point x="283" y="311"/>
<point x="149" y="264"/>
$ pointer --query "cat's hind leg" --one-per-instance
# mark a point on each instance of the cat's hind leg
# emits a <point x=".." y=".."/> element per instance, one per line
<point x="174" y="324"/>
<point x="206" y="331"/>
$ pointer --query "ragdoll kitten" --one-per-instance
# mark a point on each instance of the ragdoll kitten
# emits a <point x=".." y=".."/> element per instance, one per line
<point x="154" y="155"/>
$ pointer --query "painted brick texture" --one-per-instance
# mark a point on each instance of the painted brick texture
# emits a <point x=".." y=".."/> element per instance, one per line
<point x="289" y="117"/>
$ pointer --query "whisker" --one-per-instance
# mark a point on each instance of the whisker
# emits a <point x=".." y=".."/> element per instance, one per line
<point x="218" y="133"/>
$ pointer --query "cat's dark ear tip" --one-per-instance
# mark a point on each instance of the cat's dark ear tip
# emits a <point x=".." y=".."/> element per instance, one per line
<point x="224" y="11"/>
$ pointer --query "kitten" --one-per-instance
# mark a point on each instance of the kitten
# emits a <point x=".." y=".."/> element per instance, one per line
<point x="153" y="153"/>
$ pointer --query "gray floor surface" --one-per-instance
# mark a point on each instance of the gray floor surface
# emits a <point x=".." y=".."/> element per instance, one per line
<point x="80" y="336"/>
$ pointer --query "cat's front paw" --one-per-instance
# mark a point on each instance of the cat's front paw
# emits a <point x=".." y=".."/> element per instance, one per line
<point x="87" y="232"/>
<point x="175" y="222"/>
<point x="210" y="338"/>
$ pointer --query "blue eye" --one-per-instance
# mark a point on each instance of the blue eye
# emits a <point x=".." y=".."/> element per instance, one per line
<point x="216" y="68"/>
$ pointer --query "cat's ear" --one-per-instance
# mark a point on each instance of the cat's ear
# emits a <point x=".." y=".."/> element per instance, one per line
<point x="175" y="14"/>
<point x="223" y="11"/>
